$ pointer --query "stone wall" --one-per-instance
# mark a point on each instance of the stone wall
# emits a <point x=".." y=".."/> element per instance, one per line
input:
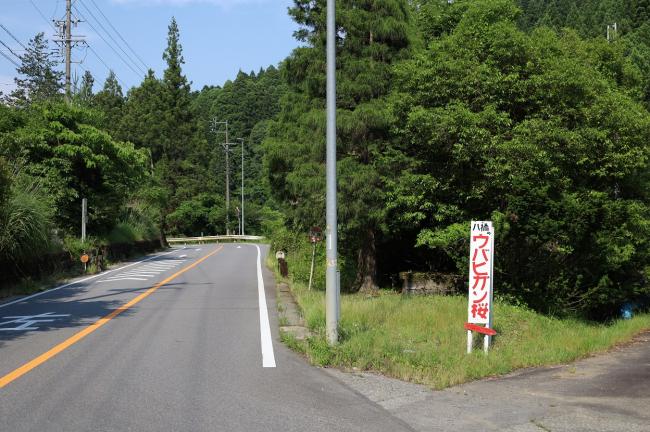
<point x="430" y="283"/>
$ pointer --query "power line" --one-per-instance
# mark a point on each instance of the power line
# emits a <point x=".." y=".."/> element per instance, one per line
<point x="111" y="37"/>
<point x="120" y="36"/>
<point x="107" y="43"/>
<point x="9" y="58"/>
<point x="89" y="47"/>
<point x="42" y="15"/>
<point x="107" y="67"/>
<point x="12" y="36"/>
<point x="56" y="8"/>
<point x="66" y="40"/>
<point x="9" y="48"/>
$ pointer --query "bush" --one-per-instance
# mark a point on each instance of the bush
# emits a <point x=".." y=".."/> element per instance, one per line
<point x="528" y="130"/>
<point x="75" y="247"/>
<point x="25" y="224"/>
<point x="5" y="183"/>
<point x="123" y="233"/>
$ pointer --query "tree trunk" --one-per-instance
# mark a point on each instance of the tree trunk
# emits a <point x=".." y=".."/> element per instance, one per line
<point x="367" y="265"/>
<point x="162" y="229"/>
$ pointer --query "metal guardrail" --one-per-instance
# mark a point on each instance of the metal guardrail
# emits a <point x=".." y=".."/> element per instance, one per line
<point x="214" y="238"/>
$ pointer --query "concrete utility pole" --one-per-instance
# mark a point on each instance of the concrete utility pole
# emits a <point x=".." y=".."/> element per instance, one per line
<point x="242" y="185"/>
<point x="332" y="286"/>
<point x="227" y="150"/>
<point x="67" y="41"/>
<point x="84" y="218"/>
<point x="68" y="47"/>
<point x="226" y="147"/>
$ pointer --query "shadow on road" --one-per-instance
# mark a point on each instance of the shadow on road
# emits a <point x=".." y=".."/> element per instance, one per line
<point x="72" y="306"/>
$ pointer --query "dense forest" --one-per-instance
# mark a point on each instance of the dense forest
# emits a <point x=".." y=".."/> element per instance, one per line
<point x="524" y="113"/>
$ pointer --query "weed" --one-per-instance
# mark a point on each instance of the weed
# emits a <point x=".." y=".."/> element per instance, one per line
<point x="422" y="339"/>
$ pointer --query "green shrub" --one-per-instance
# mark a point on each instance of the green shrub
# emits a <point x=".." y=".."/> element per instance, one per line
<point x="25" y="224"/>
<point x="5" y="183"/>
<point x="531" y="131"/>
<point x="75" y="247"/>
<point x="123" y="232"/>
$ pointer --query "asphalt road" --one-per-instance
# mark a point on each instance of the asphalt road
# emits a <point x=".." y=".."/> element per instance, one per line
<point x="176" y="343"/>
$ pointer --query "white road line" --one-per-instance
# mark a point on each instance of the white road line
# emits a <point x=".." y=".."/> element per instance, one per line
<point x="163" y="266"/>
<point x="182" y="256"/>
<point x="22" y="299"/>
<point x="143" y="271"/>
<point x="122" y="279"/>
<point x="268" y="358"/>
<point x="157" y="269"/>
<point x="138" y="274"/>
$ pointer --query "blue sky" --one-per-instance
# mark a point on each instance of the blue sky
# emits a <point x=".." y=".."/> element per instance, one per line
<point x="219" y="37"/>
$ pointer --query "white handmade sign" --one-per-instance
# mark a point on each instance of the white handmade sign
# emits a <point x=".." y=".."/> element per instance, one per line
<point x="481" y="269"/>
<point x="481" y="278"/>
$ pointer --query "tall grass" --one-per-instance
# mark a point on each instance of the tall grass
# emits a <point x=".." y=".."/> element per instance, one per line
<point x="137" y="224"/>
<point x="25" y="224"/>
<point x="422" y="339"/>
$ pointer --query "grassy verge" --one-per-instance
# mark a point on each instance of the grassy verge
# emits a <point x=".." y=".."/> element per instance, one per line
<point x="31" y="285"/>
<point x="421" y="339"/>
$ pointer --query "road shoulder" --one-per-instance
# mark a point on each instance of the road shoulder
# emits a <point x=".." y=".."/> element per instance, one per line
<point x="608" y="392"/>
<point x="47" y="286"/>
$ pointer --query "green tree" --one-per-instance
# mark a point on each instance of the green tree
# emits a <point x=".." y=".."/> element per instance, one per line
<point x="141" y="115"/>
<point x="84" y="96"/>
<point x="110" y="102"/>
<point x="539" y="133"/>
<point x="158" y="116"/>
<point x="40" y="81"/>
<point x="372" y="35"/>
<point x="178" y="124"/>
<point x="59" y="148"/>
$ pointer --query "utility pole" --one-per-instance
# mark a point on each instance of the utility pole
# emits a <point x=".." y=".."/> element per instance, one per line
<point x="84" y="218"/>
<point x="332" y="292"/>
<point x="227" y="150"/>
<point x="68" y="46"/>
<point x="226" y="147"/>
<point x="67" y="41"/>
<point x="242" y="185"/>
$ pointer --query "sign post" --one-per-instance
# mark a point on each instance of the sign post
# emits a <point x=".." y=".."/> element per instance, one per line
<point x="84" y="260"/>
<point x="315" y="236"/>
<point x="481" y="283"/>
<point x="84" y="218"/>
<point x="282" y="263"/>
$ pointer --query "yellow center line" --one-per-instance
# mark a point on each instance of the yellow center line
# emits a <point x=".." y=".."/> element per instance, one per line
<point x="32" y="364"/>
